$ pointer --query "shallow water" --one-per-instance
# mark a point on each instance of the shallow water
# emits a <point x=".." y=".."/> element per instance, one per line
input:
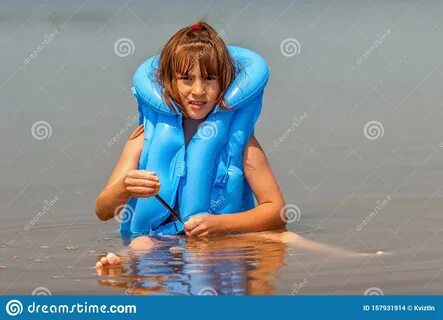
<point x="61" y="258"/>
<point x="325" y="165"/>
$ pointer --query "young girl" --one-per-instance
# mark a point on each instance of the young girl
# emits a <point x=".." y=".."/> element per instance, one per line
<point x="195" y="71"/>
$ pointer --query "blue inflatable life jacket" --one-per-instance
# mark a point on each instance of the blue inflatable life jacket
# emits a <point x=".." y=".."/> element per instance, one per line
<point x="207" y="174"/>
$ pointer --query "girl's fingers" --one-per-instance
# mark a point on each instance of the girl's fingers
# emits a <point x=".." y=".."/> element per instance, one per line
<point x="104" y="261"/>
<point x="198" y="231"/>
<point x="142" y="174"/>
<point x="142" y="183"/>
<point x="113" y="259"/>
<point x="142" y="191"/>
<point x="191" y="224"/>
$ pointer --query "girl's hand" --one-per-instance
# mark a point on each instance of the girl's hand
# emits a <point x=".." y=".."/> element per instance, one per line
<point x="203" y="225"/>
<point x="141" y="183"/>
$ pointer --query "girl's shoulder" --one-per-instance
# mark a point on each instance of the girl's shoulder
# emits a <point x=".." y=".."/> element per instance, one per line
<point x="138" y="131"/>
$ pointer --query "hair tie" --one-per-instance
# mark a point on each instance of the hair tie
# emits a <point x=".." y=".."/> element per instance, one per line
<point x="196" y="26"/>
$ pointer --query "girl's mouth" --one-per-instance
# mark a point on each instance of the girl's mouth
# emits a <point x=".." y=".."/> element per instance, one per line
<point x="197" y="104"/>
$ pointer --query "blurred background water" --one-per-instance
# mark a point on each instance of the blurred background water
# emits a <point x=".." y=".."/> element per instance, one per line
<point x="351" y="124"/>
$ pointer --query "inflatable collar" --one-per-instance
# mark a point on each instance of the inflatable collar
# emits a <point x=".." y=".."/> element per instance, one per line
<point x="207" y="174"/>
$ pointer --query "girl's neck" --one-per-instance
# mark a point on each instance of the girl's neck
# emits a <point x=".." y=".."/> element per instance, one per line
<point x="192" y="120"/>
<point x="190" y="127"/>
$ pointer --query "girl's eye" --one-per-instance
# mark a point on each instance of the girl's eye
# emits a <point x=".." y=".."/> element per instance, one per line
<point x="211" y="78"/>
<point x="185" y="78"/>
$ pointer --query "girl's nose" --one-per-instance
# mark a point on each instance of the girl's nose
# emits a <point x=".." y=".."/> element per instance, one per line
<point x="198" y="88"/>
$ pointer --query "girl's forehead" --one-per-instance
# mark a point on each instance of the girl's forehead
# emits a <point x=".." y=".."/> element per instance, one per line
<point x="196" y="59"/>
<point x="192" y="69"/>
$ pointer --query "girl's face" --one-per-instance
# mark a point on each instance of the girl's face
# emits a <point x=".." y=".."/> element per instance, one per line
<point x="198" y="95"/>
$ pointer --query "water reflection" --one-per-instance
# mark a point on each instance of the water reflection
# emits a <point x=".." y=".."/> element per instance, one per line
<point x="228" y="265"/>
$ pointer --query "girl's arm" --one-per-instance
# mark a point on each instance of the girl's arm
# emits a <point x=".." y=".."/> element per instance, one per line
<point x="265" y="216"/>
<point x="259" y="174"/>
<point x="114" y="194"/>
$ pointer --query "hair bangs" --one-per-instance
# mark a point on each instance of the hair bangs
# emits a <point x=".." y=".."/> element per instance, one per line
<point x="186" y="56"/>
